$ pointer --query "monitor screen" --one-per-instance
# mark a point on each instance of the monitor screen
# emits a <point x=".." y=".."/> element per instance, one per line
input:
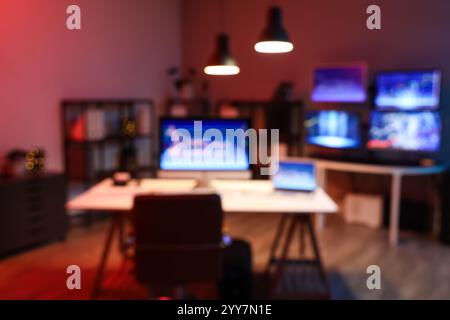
<point x="203" y="144"/>
<point x="409" y="131"/>
<point x="408" y="90"/>
<point x="339" y="84"/>
<point x="333" y="129"/>
<point x="297" y="176"/>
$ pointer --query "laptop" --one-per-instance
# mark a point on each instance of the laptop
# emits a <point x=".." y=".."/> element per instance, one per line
<point x="295" y="176"/>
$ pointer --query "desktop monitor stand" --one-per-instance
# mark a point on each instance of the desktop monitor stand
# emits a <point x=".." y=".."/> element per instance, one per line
<point x="203" y="181"/>
<point x="203" y="178"/>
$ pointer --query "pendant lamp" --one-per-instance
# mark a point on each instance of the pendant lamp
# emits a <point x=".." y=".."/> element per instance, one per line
<point x="274" y="38"/>
<point x="221" y="61"/>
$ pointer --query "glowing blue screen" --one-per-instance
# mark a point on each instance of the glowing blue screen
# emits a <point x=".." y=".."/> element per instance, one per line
<point x="410" y="131"/>
<point x="202" y="152"/>
<point x="295" y="176"/>
<point x="408" y="91"/>
<point x="333" y="129"/>
<point x="344" y="84"/>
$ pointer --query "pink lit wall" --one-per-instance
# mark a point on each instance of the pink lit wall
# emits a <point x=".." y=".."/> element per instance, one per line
<point x="122" y="51"/>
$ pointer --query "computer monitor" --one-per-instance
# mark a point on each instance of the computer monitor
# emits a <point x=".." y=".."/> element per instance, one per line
<point x="295" y="176"/>
<point x="333" y="129"/>
<point x="192" y="146"/>
<point x="407" y="90"/>
<point x="341" y="83"/>
<point x="418" y="131"/>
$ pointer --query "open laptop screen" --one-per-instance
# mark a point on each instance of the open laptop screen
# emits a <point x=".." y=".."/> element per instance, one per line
<point x="296" y="176"/>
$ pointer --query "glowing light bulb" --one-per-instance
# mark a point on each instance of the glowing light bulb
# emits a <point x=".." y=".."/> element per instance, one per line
<point x="274" y="46"/>
<point x="222" y="70"/>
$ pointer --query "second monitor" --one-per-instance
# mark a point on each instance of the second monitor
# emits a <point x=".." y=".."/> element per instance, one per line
<point x="405" y="131"/>
<point x="333" y="129"/>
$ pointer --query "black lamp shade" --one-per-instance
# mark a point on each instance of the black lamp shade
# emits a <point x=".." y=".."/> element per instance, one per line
<point x="274" y="31"/>
<point x="221" y="60"/>
<point x="274" y="38"/>
<point x="222" y="56"/>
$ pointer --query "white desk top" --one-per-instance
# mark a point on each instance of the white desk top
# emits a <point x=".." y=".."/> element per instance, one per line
<point x="374" y="168"/>
<point x="236" y="195"/>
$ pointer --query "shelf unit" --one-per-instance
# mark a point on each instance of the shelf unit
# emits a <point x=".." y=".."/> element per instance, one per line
<point x="287" y="116"/>
<point x="188" y="108"/>
<point x="93" y="137"/>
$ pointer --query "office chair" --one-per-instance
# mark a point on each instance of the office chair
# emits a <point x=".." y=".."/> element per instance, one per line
<point x="178" y="240"/>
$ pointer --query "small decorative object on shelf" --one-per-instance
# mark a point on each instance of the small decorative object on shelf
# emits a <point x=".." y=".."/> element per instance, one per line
<point x="183" y="84"/>
<point x="128" y="128"/>
<point x="284" y="92"/>
<point x="77" y="129"/>
<point x="14" y="164"/>
<point x="35" y="161"/>
<point x="190" y="96"/>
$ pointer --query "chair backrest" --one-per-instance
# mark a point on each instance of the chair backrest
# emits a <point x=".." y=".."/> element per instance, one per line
<point x="178" y="238"/>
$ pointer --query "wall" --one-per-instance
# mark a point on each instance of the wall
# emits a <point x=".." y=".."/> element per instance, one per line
<point x="123" y="50"/>
<point x="413" y="35"/>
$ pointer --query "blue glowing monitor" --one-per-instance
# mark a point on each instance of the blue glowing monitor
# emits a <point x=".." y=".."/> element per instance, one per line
<point x="340" y="84"/>
<point x="333" y="129"/>
<point x="408" y="90"/>
<point x="203" y="144"/>
<point x="408" y="131"/>
<point x="295" y="176"/>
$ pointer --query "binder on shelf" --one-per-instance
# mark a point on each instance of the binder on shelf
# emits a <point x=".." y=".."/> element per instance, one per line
<point x="95" y="124"/>
<point x="77" y="129"/>
<point x="112" y="123"/>
<point x="143" y="152"/>
<point x="143" y="119"/>
<point x="111" y="156"/>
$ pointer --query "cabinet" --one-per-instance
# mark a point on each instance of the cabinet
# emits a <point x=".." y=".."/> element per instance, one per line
<point x="32" y="211"/>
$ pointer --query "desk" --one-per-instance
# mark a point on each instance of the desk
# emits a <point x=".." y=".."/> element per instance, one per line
<point x="396" y="173"/>
<point x="238" y="196"/>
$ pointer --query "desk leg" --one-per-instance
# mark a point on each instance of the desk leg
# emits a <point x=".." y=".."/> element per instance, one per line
<point x="301" y="246"/>
<point x="437" y="206"/>
<point x="115" y="222"/>
<point x="305" y="224"/>
<point x="396" y="193"/>
<point x="320" y="222"/>
<point x="315" y="245"/>
<point x="279" y="269"/>
<point x="276" y="241"/>
<point x="322" y="182"/>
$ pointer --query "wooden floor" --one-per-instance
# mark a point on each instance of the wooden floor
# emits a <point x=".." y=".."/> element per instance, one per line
<point x="418" y="268"/>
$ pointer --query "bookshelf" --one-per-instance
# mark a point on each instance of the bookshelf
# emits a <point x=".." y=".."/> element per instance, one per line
<point x="99" y="134"/>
